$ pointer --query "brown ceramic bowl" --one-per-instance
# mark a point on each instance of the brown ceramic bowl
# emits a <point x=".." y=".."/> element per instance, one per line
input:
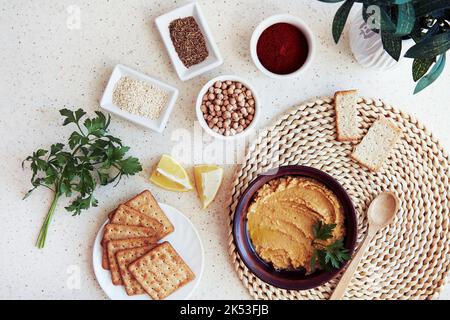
<point x="289" y="279"/>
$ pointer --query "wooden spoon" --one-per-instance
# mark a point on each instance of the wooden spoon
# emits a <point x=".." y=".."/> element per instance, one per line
<point x="381" y="212"/>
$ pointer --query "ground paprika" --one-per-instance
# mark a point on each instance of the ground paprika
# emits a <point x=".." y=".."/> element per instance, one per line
<point x="282" y="48"/>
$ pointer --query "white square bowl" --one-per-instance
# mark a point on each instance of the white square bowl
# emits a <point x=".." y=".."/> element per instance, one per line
<point x="214" y="58"/>
<point x="107" y="102"/>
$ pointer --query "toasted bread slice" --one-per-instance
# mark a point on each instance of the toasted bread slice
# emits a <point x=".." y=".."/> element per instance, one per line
<point x="347" y="118"/>
<point x="377" y="144"/>
<point x="124" y="258"/>
<point x="161" y="271"/>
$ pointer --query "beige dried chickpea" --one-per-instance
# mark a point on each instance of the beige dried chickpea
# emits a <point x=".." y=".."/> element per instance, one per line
<point x="228" y="107"/>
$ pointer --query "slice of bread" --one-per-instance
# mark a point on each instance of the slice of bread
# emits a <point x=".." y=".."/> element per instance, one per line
<point x="347" y="119"/>
<point x="377" y="144"/>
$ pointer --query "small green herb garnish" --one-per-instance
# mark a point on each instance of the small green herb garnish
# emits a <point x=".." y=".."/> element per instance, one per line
<point x="95" y="157"/>
<point x="327" y="256"/>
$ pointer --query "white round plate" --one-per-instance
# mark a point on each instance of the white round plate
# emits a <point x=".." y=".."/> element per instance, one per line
<point x="184" y="239"/>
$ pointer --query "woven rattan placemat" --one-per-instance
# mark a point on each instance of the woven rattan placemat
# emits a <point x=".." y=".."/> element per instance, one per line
<point x="409" y="259"/>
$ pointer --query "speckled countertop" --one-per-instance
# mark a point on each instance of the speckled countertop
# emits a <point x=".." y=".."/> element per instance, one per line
<point x="50" y="61"/>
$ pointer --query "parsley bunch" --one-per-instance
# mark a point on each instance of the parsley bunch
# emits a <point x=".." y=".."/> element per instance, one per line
<point x="93" y="157"/>
<point x="327" y="256"/>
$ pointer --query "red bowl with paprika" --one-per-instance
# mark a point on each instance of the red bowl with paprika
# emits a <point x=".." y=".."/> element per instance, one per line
<point x="282" y="46"/>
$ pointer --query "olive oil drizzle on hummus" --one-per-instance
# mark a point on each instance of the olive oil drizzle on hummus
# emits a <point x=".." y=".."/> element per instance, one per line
<point x="281" y="219"/>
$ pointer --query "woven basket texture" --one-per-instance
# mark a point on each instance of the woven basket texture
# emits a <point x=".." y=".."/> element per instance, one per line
<point x="407" y="260"/>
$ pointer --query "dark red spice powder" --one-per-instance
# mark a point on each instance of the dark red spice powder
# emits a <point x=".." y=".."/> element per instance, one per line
<point x="282" y="48"/>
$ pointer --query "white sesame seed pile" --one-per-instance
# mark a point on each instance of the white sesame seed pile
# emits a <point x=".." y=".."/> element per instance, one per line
<point x="139" y="98"/>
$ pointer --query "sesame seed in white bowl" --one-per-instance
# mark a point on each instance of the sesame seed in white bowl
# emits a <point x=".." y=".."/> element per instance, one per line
<point x="139" y="98"/>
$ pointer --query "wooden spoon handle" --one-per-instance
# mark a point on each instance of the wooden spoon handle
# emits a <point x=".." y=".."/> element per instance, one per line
<point x="339" y="291"/>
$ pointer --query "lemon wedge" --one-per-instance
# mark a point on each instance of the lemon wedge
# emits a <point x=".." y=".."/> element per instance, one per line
<point x="208" y="179"/>
<point x="170" y="174"/>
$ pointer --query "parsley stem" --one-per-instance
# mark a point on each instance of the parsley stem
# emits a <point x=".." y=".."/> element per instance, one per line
<point x="79" y="128"/>
<point x="40" y="243"/>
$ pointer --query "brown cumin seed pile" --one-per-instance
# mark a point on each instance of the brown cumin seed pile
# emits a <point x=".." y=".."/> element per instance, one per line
<point x="188" y="41"/>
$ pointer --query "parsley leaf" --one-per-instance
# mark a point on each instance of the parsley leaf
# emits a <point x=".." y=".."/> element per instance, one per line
<point x="336" y="254"/>
<point x="129" y="166"/>
<point x="323" y="231"/>
<point x="327" y="256"/>
<point x="93" y="158"/>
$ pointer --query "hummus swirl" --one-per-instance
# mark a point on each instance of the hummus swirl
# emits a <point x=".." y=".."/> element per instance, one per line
<point x="281" y="218"/>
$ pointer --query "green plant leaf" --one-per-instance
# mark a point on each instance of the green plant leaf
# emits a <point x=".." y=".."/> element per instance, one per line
<point x="65" y="188"/>
<point x="340" y="19"/>
<point x="77" y="139"/>
<point x="365" y="14"/>
<point x="385" y="2"/>
<point x="323" y="231"/>
<point x="430" y="47"/>
<point x="431" y="76"/>
<point x="55" y="148"/>
<point x="130" y="166"/>
<point x="420" y="67"/>
<point x="69" y="116"/>
<point x="98" y="125"/>
<point x="386" y="23"/>
<point x="312" y="262"/>
<point x="118" y="153"/>
<point x="336" y="254"/>
<point x="65" y="173"/>
<point x="424" y="7"/>
<point x="40" y="153"/>
<point x="392" y="44"/>
<point x="103" y="177"/>
<point x="397" y="1"/>
<point x="416" y="33"/>
<point x="86" y="183"/>
<point x="79" y="114"/>
<point x="81" y="203"/>
<point x="405" y="19"/>
<point x="51" y="175"/>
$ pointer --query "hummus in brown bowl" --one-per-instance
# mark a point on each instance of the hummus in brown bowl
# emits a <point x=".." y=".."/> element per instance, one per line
<point x="280" y="219"/>
<point x="282" y="216"/>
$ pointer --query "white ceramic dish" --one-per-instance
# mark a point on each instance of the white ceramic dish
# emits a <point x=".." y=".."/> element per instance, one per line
<point x="214" y="58"/>
<point x="107" y="102"/>
<point x="286" y="18"/>
<point x="186" y="241"/>
<point x="202" y="120"/>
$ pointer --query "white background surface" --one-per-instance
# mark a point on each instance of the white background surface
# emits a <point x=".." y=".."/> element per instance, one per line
<point x="46" y="66"/>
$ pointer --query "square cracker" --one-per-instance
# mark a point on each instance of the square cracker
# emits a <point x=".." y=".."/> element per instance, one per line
<point x="118" y="232"/>
<point x="124" y="258"/>
<point x="161" y="271"/>
<point x="145" y="203"/>
<point x="131" y="217"/>
<point x="114" y="246"/>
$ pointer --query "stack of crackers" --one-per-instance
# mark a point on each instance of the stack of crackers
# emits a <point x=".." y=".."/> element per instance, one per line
<point x="133" y="255"/>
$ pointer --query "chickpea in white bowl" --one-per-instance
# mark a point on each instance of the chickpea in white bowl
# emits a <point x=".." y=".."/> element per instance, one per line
<point x="227" y="107"/>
